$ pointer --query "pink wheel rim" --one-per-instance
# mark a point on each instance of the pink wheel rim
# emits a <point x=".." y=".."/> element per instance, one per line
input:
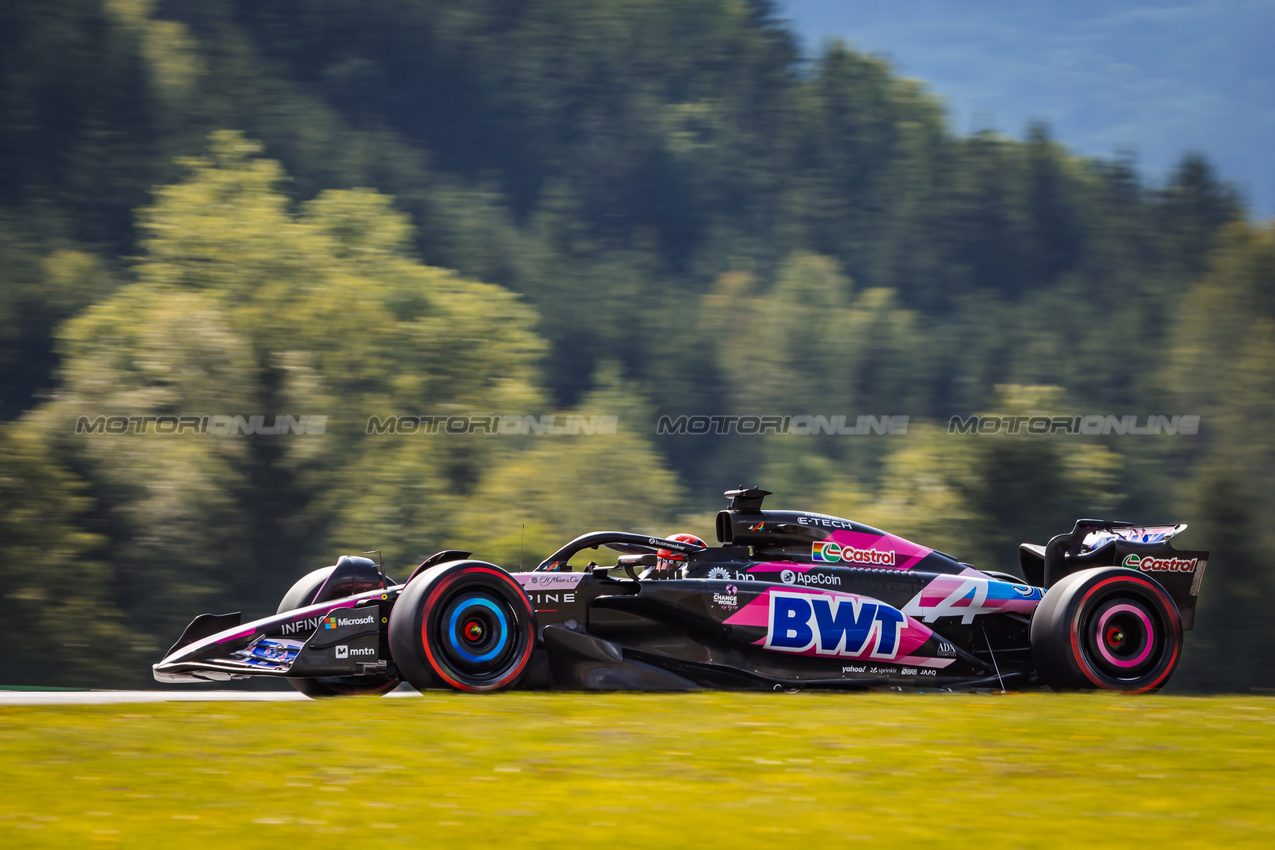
<point x="1102" y="632"/>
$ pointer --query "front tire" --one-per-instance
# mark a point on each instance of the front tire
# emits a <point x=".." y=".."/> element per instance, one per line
<point x="302" y="594"/>
<point x="467" y="626"/>
<point x="1109" y="628"/>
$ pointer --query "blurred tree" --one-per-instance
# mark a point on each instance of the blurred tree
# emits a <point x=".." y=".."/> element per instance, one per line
<point x="1221" y="365"/>
<point x="667" y="186"/>
<point x="241" y="308"/>
<point x="58" y="611"/>
<point x="541" y="494"/>
<point x="39" y="291"/>
<point x="978" y="496"/>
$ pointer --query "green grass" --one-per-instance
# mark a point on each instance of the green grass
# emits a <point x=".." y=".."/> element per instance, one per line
<point x="700" y="770"/>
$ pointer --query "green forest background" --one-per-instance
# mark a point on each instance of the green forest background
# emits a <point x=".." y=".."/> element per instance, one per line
<point x="631" y="208"/>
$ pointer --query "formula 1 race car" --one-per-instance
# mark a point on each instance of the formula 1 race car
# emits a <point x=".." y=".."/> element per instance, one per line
<point x="789" y="599"/>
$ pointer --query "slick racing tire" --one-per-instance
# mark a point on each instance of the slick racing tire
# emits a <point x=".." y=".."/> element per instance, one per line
<point x="302" y="594"/>
<point x="1109" y="628"/>
<point x="467" y="626"/>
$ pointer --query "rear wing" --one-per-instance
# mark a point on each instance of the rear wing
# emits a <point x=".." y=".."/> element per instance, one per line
<point x="1102" y="543"/>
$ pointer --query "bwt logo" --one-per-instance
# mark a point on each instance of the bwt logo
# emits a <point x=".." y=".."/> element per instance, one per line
<point x="832" y="625"/>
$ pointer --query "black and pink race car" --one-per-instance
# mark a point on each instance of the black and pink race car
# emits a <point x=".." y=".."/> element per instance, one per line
<point x="789" y="599"/>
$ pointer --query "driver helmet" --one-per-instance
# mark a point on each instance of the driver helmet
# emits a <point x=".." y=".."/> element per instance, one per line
<point x="667" y="561"/>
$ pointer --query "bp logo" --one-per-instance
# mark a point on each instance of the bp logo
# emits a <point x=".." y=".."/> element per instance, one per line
<point x="719" y="573"/>
<point x="788" y="577"/>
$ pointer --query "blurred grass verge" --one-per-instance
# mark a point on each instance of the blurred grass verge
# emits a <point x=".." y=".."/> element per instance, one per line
<point x="643" y="770"/>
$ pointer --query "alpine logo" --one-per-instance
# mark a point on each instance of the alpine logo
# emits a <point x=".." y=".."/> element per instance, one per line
<point x="1161" y="565"/>
<point x="826" y="551"/>
<point x="832" y="625"/>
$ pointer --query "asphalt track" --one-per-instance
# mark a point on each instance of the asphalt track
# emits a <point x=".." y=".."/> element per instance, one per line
<point x="25" y="697"/>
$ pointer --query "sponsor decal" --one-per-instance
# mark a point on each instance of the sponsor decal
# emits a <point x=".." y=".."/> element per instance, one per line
<point x="546" y="597"/>
<point x="887" y="671"/>
<point x="917" y="671"/>
<point x="1161" y="565"/>
<point x="309" y="624"/>
<point x="827" y="551"/>
<point x="335" y="620"/>
<point x="832" y="625"/>
<point x="816" y="579"/>
<point x="344" y="651"/>
<point x="724" y="574"/>
<point x="825" y="521"/>
<point x="673" y="545"/>
<point x="550" y="581"/>
<point x="729" y="600"/>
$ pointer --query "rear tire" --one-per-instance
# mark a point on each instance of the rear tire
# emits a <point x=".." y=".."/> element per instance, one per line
<point x="1108" y="628"/>
<point x="467" y="626"/>
<point x="302" y="594"/>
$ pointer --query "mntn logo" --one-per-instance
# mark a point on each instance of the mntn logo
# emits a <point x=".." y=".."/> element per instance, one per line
<point x="832" y="625"/>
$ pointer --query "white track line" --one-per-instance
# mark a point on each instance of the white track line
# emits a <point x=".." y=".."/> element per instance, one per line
<point x="114" y="697"/>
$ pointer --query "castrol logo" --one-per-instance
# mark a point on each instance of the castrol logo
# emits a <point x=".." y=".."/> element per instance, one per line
<point x="1161" y="565"/>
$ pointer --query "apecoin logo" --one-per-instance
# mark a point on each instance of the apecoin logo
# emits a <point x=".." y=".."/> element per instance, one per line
<point x="793" y="577"/>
